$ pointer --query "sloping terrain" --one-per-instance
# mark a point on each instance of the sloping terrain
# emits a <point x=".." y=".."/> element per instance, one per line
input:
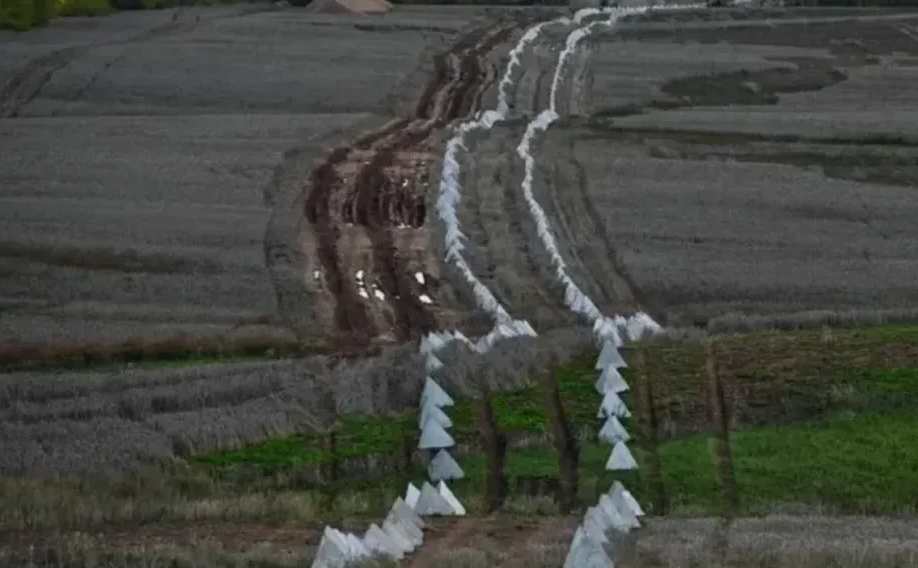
<point x="684" y="178"/>
<point x="711" y="166"/>
<point x="150" y="163"/>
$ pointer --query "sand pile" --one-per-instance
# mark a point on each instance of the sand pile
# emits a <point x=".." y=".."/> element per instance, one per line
<point x="350" y="6"/>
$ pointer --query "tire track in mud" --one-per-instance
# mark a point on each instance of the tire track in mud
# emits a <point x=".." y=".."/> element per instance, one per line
<point x="378" y="184"/>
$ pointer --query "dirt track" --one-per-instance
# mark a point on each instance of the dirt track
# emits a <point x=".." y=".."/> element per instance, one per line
<point x="378" y="183"/>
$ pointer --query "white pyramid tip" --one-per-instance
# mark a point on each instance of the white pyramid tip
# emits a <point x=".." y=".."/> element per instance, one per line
<point x="411" y="495"/>
<point x="451" y="499"/>
<point x="443" y="466"/>
<point x="435" y="437"/>
<point x="621" y="458"/>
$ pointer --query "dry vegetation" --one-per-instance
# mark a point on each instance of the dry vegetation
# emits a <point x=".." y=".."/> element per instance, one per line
<point x="759" y="178"/>
<point x="166" y="461"/>
<point x="64" y="422"/>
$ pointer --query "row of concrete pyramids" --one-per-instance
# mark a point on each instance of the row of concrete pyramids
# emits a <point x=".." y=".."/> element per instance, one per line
<point x="434" y="423"/>
<point x="434" y="341"/>
<point x="612" y="407"/>
<point x="401" y="532"/>
<point x="618" y="509"/>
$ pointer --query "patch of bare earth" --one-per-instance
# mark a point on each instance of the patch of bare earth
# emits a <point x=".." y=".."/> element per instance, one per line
<point x="367" y="210"/>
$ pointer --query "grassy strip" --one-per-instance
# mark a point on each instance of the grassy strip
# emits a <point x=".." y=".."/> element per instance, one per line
<point x="822" y="417"/>
<point x="844" y="463"/>
<point x="772" y="378"/>
<point x="843" y="398"/>
<point x="849" y="463"/>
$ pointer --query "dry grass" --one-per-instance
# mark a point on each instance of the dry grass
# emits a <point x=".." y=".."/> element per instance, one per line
<point x="86" y="551"/>
<point x="15" y="355"/>
<point x="744" y="323"/>
<point x="507" y="541"/>
<point x="776" y="542"/>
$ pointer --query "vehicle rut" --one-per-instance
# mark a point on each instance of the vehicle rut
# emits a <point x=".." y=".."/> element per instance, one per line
<point x="378" y="184"/>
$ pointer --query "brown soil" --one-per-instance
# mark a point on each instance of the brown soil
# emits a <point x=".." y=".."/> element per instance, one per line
<point x="514" y="535"/>
<point x="378" y="183"/>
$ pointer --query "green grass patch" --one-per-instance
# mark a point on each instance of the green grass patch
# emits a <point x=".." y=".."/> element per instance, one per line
<point x="854" y="463"/>
<point x="846" y="463"/>
<point x="772" y="378"/>
<point x="821" y="417"/>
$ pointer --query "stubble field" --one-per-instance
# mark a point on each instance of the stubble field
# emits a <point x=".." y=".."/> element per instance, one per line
<point x="715" y="171"/>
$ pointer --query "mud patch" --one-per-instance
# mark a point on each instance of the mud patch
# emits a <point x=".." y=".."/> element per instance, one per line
<point x="374" y="190"/>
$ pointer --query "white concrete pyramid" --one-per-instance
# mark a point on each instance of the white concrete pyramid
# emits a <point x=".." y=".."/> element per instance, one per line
<point x="586" y="553"/>
<point x="453" y="253"/>
<point x="628" y="519"/>
<point x="607" y="520"/>
<point x="399" y="535"/>
<point x="461" y="337"/>
<point x="401" y="510"/>
<point x="621" y="458"/>
<point x="434" y="394"/>
<point x="610" y="379"/>
<point x="411" y="495"/>
<point x="443" y="466"/>
<point x="431" y="343"/>
<point x="412" y="533"/>
<point x="357" y="550"/>
<point x="610" y="357"/>
<point x="613" y="432"/>
<point x="430" y="502"/>
<point x="332" y="551"/>
<point x="445" y="492"/>
<point x="433" y="412"/>
<point x="595" y="525"/>
<point x="431" y="363"/>
<point x="606" y="329"/>
<point x="619" y="490"/>
<point x="622" y="521"/>
<point x="434" y="437"/>
<point x="382" y="544"/>
<point x="612" y="405"/>
<point x="641" y="325"/>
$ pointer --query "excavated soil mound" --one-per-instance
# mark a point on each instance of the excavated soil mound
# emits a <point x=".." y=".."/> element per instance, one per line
<point x="350" y="6"/>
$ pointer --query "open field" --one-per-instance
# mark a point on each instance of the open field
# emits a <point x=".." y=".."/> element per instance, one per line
<point x="150" y="164"/>
<point x="823" y="421"/>
<point x="714" y="169"/>
<point x="234" y="184"/>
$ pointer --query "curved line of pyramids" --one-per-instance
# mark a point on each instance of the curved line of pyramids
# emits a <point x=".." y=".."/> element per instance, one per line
<point x="616" y="510"/>
<point x="402" y="530"/>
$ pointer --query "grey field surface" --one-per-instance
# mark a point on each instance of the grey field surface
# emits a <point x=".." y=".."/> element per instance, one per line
<point x="137" y="157"/>
<point x="773" y="541"/>
<point x="711" y="170"/>
<point x="152" y="167"/>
